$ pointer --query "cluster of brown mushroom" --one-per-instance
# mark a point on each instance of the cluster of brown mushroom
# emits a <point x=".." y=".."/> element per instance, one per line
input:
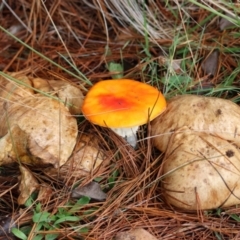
<point x="198" y="135"/>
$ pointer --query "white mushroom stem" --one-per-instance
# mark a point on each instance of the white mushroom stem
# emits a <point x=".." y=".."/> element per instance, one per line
<point x="129" y="134"/>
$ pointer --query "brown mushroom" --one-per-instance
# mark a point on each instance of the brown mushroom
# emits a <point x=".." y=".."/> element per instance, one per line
<point x="201" y="140"/>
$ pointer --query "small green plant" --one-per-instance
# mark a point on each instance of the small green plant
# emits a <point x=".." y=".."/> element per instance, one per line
<point x="47" y="222"/>
<point x="116" y="69"/>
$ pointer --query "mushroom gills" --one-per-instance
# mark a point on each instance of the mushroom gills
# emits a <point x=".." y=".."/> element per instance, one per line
<point x="129" y="134"/>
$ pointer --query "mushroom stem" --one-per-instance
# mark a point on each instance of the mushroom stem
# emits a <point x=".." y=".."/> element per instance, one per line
<point x="129" y="134"/>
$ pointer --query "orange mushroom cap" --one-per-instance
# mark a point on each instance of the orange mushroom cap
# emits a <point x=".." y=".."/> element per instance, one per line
<point x="122" y="103"/>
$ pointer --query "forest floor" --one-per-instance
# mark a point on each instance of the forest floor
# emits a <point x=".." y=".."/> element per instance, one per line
<point x="179" y="47"/>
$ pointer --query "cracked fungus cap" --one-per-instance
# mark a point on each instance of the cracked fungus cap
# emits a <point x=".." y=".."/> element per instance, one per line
<point x="122" y="103"/>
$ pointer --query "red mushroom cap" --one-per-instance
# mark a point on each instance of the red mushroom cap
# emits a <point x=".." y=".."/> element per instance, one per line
<point x="122" y="103"/>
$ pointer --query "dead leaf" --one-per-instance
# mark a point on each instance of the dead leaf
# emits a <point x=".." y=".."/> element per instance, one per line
<point x="174" y="65"/>
<point x="135" y="234"/>
<point x="225" y="23"/>
<point x="92" y="190"/>
<point x="210" y="64"/>
<point x="44" y="194"/>
<point x="28" y="184"/>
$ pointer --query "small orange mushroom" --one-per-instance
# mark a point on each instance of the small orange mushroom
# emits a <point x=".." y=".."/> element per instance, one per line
<point x="123" y="105"/>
